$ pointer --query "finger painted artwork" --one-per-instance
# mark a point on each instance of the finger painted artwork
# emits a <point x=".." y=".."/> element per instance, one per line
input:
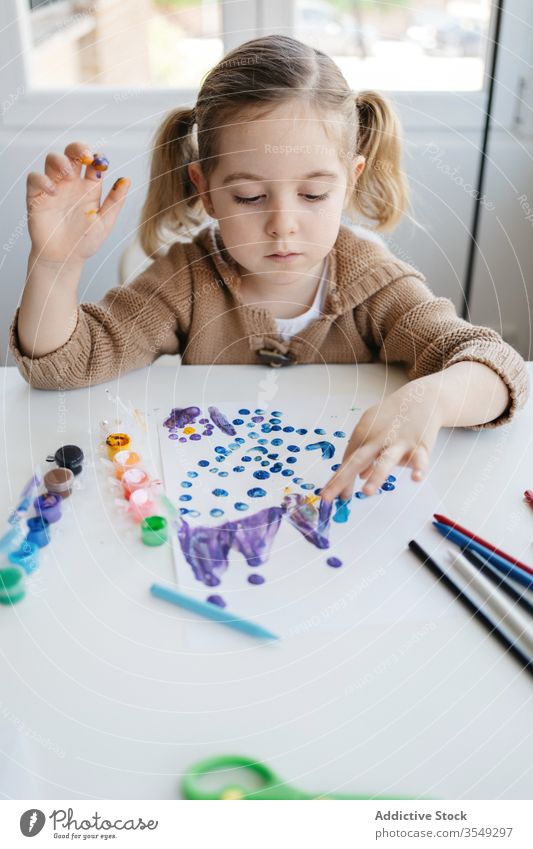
<point x="252" y="533"/>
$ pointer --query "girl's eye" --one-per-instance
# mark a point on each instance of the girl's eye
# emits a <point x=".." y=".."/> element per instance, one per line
<point x="247" y="200"/>
<point x="316" y="197"/>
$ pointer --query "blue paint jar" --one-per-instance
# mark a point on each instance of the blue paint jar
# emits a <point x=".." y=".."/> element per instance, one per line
<point x="25" y="557"/>
<point x="39" y="531"/>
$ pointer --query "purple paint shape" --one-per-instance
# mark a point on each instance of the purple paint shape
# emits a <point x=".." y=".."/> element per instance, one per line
<point x="313" y="523"/>
<point x="180" y="417"/>
<point x="256" y="533"/>
<point x="334" y="562"/>
<point x="218" y="418"/>
<point x="206" y="550"/>
<point x="256" y="579"/>
<point x="216" y="599"/>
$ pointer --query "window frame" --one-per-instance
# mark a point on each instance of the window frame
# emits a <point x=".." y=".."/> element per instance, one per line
<point x="24" y="108"/>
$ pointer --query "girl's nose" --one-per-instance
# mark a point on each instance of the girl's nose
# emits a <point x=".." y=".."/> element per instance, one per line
<point x="281" y="222"/>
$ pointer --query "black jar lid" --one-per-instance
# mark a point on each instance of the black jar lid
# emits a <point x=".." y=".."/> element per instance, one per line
<point x="69" y="457"/>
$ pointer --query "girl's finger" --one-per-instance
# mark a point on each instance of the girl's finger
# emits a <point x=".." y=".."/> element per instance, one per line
<point x="79" y="155"/>
<point x="343" y="481"/>
<point x="419" y="463"/>
<point x="114" y="200"/>
<point x="58" y="167"/>
<point x="387" y="461"/>
<point x="37" y="184"/>
<point x="96" y="167"/>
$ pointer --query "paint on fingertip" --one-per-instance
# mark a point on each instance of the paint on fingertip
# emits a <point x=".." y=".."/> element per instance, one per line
<point x="120" y="182"/>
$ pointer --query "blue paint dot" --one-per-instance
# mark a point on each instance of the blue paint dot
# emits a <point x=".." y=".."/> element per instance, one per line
<point x="257" y="459"/>
<point x="298" y="480"/>
<point x="275" y="427"/>
<point x="256" y="492"/>
<point x="238" y="468"/>
<point x="260" y="412"/>
<point x="339" y="434"/>
<point x="240" y="505"/>
<point x="388" y="487"/>
<point x="216" y="599"/>
<point x="216" y="512"/>
<point x="265" y="463"/>
<point x="391" y="479"/>
<point x="275" y="421"/>
<point x="186" y="484"/>
<point x="361" y="495"/>
<point x="246" y="459"/>
<point x="318" y="490"/>
<point x="334" y="561"/>
<point x="253" y="434"/>
<point x="219" y="449"/>
<point x="256" y="579"/>
<point x="273" y="456"/>
<point x="263" y="441"/>
<point x="301" y="430"/>
<point x="277" y="413"/>
<point x="288" y="429"/>
<point x="184" y="511"/>
<point x="219" y="459"/>
<point x="261" y="474"/>
<point x="203" y="463"/>
<point x="308" y="486"/>
<point x="266" y="428"/>
<point x="335" y="467"/>
<point x="277" y="441"/>
<point x="287" y="473"/>
<point x="244" y="412"/>
<point x="239" y="440"/>
<point x="294" y="448"/>
<point x="233" y="445"/>
<point x="185" y="498"/>
<point x="250" y="424"/>
<point x="277" y="467"/>
<point x="260" y="448"/>
<point x="192" y="474"/>
<point x="213" y="471"/>
<point x="238" y="421"/>
<point x="292" y="459"/>
<point x="223" y="474"/>
<point x="319" y="430"/>
<point x="220" y="492"/>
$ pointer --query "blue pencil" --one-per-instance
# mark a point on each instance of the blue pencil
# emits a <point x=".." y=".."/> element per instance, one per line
<point x="494" y="559"/>
<point x="211" y="611"/>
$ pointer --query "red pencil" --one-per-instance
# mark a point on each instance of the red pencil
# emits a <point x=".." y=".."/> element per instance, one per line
<point x="484" y="542"/>
<point x="528" y="495"/>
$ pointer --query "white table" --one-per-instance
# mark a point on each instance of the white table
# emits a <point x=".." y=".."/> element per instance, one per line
<point x="113" y="703"/>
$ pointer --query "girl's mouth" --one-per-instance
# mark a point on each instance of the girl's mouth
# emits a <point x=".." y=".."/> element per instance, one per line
<point x="283" y="257"/>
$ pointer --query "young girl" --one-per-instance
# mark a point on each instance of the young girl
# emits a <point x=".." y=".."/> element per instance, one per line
<point x="276" y="148"/>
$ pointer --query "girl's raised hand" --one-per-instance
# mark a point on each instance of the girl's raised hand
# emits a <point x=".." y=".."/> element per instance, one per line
<point x="65" y="219"/>
<point x="400" y="431"/>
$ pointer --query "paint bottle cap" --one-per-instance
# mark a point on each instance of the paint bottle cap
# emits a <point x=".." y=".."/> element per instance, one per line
<point x="154" y="530"/>
<point x="140" y="505"/>
<point x="59" y="481"/>
<point x="38" y="531"/>
<point x="25" y="556"/>
<point x="69" y="457"/>
<point x="12" y="587"/>
<point x="48" y="506"/>
<point x="124" y="460"/>
<point x="133" y="479"/>
<point x="117" y="442"/>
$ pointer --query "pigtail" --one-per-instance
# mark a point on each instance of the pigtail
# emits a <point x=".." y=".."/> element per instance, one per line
<point x="172" y="201"/>
<point x="380" y="193"/>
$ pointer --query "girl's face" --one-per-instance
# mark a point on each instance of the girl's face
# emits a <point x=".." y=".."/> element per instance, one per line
<point x="279" y="187"/>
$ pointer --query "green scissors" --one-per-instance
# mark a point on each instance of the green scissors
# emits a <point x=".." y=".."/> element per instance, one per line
<point x="272" y="787"/>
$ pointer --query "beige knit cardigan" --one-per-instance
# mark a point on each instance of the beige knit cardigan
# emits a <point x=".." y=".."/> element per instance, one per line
<point x="188" y="302"/>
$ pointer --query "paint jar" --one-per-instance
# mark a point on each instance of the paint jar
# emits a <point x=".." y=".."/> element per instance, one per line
<point x="59" y="481"/>
<point x="48" y="506"/>
<point x="140" y="505"/>
<point x="124" y="460"/>
<point x="134" y="479"/>
<point x="13" y="538"/>
<point x="39" y="532"/>
<point x="12" y="585"/>
<point x="154" y="530"/>
<point x="25" y="557"/>
<point x="116" y="442"/>
<point x="69" y="457"/>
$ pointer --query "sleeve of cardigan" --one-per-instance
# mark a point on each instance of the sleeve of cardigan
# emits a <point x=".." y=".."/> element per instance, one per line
<point x="404" y="322"/>
<point x="129" y="328"/>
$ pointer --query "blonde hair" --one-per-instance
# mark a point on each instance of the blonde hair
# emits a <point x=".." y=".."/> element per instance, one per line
<point x="262" y="73"/>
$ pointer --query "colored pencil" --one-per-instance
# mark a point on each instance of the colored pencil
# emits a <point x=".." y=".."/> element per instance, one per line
<point x="494" y="559"/>
<point x="498" y="579"/>
<point x="443" y="520"/>
<point x="525" y="661"/>
<point x="495" y="600"/>
<point x="211" y="611"/>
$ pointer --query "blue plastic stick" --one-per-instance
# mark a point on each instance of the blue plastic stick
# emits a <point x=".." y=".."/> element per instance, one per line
<point x="211" y="611"/>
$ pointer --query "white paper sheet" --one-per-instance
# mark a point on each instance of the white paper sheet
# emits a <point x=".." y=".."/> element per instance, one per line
<point x="301" y="591"/>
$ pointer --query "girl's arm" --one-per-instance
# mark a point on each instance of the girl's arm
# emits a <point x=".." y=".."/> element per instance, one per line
<point x="463" y="375"/>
